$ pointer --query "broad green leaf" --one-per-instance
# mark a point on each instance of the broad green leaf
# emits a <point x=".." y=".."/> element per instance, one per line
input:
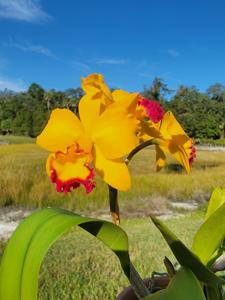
<point x="184" y="285"/>
<point x="186" y="258"/>
<point x="210" y="235"/>
<point x="27" y="247"/>
<point x="216" y="200"/>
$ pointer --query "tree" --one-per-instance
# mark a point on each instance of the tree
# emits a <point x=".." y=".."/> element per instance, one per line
<point x="217" y="92"/>
<point x="36" y="91"/>
<point x="157" y="90"/>
<point x="72" y="98"/>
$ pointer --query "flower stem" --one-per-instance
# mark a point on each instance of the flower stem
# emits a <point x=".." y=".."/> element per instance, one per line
<point x="139" y="148"/>
<point x="113" y="193"/>
<point x="114" y="205"/>
<point x="136" y="282"/>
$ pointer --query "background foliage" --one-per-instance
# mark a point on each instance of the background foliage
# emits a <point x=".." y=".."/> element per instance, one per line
<point x="202" y="114"/>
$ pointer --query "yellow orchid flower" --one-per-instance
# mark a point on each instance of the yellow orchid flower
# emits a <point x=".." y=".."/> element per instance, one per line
<point x="171" y="139"/>
<point x="98" y="97"/>
<point x="154" y="123"/>
<point x="98" y="140"/>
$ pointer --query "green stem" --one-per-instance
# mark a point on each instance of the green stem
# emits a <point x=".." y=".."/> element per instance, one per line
<point x="136" y="282"/>
<point x="139" y="148"/>
<point x="114" y="205"/>
<point x="113" y="193"/>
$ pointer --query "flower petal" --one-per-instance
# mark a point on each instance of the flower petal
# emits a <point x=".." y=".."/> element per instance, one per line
<point x="89" y="112"/>
<point x="95" y="88"/>
<point x="113" y="172"/>
<point x="160" y="158"/>
<point x="69" y="171"/>
<point x="177" y="151"/>
<point x="171" y="128"/>
<point x="115" y="133"/>
<point x="148" y="131"/>
<point x="126" y="100"/>
<point x="61" y="131"/>
<point x="97" y="98"/>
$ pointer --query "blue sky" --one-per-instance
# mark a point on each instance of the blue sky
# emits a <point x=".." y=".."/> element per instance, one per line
<point x="130" y="42"/>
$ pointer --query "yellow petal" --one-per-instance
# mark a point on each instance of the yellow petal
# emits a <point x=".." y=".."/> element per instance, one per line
<point x="160" y="158"/>
<point x="61" y="131"/>
<point x="89" y="112"/>
<point x="177" y="151"/>
<point x="95" y="88"/>
<point x="115" y="133"/>
<point x="113" y="172"/>
<point x="69" y="170"/>
<point x="148" y="130"/>
<point x="171" y="128"/>
<point x="171" y="138"/>
<point x="126" y="100"/>
<point x="97" y="98"/>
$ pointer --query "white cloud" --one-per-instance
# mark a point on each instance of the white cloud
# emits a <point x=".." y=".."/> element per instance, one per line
<point x="28" y="47"/>
<point x="173" y="52"/>
<point x="16" y="85"/>
<point x="23" y="10"/>
<point x="110" y="61"/>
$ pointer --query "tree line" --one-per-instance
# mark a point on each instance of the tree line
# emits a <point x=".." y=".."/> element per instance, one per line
<point x="202" y="114"/>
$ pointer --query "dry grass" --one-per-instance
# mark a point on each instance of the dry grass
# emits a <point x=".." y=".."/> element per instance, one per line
<point x="23" y="181"/>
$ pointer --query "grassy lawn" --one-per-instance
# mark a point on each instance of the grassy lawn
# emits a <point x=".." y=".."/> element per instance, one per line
<point x="79" y="267"/>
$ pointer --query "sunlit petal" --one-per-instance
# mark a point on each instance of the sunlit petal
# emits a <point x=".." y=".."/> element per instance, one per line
<point x="160" y="158"/>
<point x="69" y="171"/>
<point x="128" y="101"/>
<point x="89" y="112"/>
<point x="95" y="88"/>
<point x="62" y="130"/>
<point x="171" y="128"/>
<point x="113" y="172"/>
<point x="115" y="133"/>
<point x="177" y="151"/>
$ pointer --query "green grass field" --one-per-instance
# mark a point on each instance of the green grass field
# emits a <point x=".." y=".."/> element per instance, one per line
<point x="78" y="267"/>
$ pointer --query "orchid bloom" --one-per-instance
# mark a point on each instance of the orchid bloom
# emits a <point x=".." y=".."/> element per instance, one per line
<point x="170" y="138"/>
<point x="99" y="140"/>
<point x="153" y="123"/>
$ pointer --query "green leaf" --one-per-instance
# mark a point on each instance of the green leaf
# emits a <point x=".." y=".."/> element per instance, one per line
<point x="30" y="242"/>
<point x="210" y="235"/>
<point x="186" y="258"/>
<point x="184" y="285"/>
<point x="214" y="293"/>
<point x="216" y="200"/>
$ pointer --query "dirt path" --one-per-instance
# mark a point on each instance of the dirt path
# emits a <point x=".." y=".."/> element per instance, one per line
<point x="10" y="216"/>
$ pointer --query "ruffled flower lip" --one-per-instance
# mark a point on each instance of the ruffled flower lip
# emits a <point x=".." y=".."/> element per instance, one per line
<point x="67" y="186"/>
<point x="152" y="108"/>
<point x="192" y="155"/>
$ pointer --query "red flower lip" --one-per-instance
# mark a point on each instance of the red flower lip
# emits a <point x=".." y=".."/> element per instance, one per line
<point x="67" y="186"/>
<point x="153" y="109"/>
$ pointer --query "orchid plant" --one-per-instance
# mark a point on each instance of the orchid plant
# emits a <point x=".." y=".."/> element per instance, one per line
<point x="111" y="128"/>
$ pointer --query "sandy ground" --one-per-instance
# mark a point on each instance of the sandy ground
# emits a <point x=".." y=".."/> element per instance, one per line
<point x="11" y="216"/>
